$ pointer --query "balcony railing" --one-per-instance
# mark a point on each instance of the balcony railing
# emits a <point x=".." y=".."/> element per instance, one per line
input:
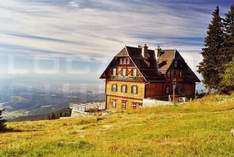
<point x="134" y="78"/>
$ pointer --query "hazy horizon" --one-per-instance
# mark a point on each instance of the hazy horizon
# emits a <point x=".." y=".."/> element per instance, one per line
<point x="72" y="41"/>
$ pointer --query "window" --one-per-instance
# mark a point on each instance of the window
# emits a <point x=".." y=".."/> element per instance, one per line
<point x="124" y="88"/>
<point x="124" y="105"/>
<point x="167" y="90"/>
<point x="134" y="105"/>
<point x="114" y="88"/>
<point x="113" y="103"/>
<point x="123" y="72"/>
<point x="175" y="64"/>
<point x="121" y="61"/>
<point x="134" y="89"/>
<point x="134" y="73"/>
<point x="128" y="61"/>
<point x="114" y="72"/>
<point x="124" y="61"/>
<point x="180" y="74"/>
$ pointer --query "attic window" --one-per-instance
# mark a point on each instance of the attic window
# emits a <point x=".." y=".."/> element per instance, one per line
<point x="124" y="71"/>
<point x="121" y="61"/>
<point x="114" y="72"/>
<point x="124" y="60"/>
<point x="134" y="73"/>
<point x="128" y="60"/>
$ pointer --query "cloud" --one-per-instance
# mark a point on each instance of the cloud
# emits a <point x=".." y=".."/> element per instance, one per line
<point x="97" y="30"/>
<point x="74" y="4"/>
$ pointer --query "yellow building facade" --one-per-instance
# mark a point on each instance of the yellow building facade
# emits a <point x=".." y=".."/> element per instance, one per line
<point x="121" y="95"/>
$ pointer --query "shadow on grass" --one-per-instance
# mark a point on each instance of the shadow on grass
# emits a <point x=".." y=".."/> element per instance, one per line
<point x="11" y="130"/>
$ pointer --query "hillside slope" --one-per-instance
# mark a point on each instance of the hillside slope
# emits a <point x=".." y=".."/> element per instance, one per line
<point x="199" y="128"/>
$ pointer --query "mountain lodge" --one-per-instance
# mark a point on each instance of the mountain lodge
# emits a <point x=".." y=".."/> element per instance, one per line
<point x="138" y="73"/>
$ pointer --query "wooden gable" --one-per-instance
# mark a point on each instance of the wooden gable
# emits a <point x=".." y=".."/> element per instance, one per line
<point x="115" y="63"/>
<point x="167" y="61"/>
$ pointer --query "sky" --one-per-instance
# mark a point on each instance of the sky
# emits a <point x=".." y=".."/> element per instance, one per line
<point x="73" y="40"/>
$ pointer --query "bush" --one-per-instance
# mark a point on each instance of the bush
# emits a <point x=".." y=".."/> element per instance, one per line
<point x="2" y="122"/>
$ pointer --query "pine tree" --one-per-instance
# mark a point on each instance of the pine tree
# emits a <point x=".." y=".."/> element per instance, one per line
<point x="228" y="78"/>
<point x="228" y="27"/>
<point x="2" y="122"/>
<point x="210" y="66"/>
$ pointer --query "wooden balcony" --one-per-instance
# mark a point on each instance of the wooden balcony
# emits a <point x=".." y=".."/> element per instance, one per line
<point x="129" y="78"/>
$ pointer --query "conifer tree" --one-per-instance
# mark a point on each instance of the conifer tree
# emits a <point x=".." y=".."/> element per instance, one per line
<point x="210" y="66"/>
<point x="228" y="27"/>
<point x="227" y="82"/>
<point x="2" y="122"/>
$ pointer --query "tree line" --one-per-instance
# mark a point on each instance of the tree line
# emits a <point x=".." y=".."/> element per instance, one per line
<point x="217" y="66"/>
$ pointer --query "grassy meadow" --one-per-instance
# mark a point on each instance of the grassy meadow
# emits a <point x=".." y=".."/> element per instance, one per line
<point x="199" y="128"/>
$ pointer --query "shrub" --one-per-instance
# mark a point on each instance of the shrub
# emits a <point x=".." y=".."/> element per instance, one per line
<point x="2" y="122"/>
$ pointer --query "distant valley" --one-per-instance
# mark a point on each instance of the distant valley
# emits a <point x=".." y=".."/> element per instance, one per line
<point x="25" y="101"/>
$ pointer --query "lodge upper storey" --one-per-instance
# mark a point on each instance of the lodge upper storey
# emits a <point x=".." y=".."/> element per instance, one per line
<point x="144" y="65"/>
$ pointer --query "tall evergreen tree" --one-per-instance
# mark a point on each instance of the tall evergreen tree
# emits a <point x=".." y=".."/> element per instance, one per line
<point x="227" y="82"/>
<point x="228" y="46"/>
<point x="2" y="122"/>
<point x="210" y="66"/>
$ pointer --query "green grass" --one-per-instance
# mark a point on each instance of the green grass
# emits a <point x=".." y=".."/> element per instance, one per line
<point x="199" y="128"/>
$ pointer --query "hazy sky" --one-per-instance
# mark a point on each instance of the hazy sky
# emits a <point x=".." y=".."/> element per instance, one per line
<point x="75" y="39"/>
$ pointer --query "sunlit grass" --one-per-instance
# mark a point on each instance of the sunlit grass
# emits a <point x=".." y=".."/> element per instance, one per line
<point x="199" y="128"/>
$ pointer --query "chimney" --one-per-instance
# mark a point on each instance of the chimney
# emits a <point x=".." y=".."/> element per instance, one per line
<point x="158" y="52"/>
<point x="144" y="51"/>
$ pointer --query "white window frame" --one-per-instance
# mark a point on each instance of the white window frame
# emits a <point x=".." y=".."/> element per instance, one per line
<point x="134" y="72"/>
<point x="114" y="88"/>
<point x="121" y="61"/>
<point x="134" y="89"/>
<point x="114" y="71"/>
<point x="124" y="89"/>
<point x="128" y="61"/>
<point x="124" y="72"/>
